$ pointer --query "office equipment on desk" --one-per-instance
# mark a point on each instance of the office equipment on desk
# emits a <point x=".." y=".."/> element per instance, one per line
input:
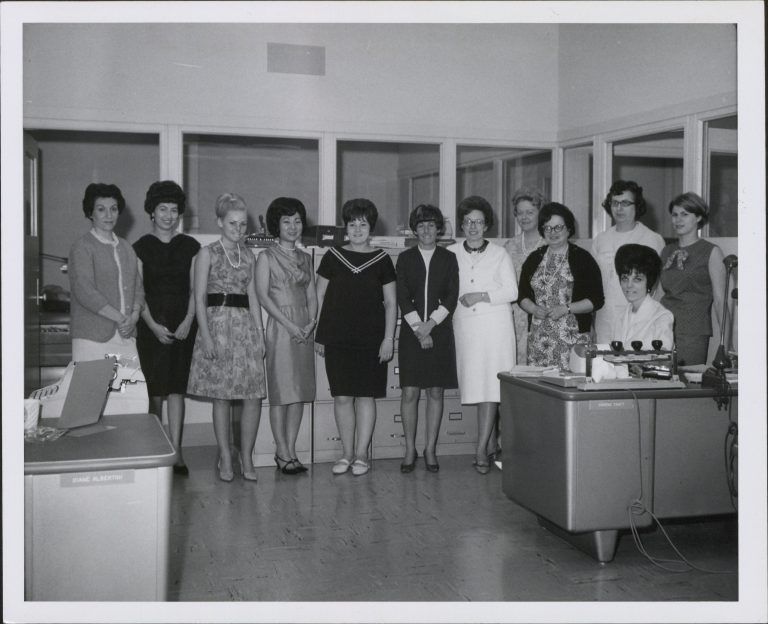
<point x="97" y="513"/>
<point x="655" y="363"/>
<point x="127" y="391"/>
<point x="323" y="235"/>
<point x="584" y="461"/>
<point x="87" y="394"/>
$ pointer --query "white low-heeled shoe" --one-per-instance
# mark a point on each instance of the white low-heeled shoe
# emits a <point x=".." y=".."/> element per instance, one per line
<point x="341" y="466"/>
<point x="360" y="467"/>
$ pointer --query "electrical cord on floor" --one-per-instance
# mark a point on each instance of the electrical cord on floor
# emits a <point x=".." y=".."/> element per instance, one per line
<point x="731" y="452"/>
<point x="638" y="508"/>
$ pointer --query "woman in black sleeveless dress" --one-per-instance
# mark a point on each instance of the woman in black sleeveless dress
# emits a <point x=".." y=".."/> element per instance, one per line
<point x="166" y="330"/>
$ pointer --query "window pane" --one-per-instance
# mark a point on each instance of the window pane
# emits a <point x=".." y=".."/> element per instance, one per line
<point x="69" y="161"/>
<point x="259" y="169"/>
<point x="396" y="177"/>
<point x="655" y="162"/>
<point x="578" y="163"/>
<point x="495" y="173"/>
<point x="722" y="173"/>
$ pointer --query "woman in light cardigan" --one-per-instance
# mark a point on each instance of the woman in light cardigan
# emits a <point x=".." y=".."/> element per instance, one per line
<point x="107" y="292"/>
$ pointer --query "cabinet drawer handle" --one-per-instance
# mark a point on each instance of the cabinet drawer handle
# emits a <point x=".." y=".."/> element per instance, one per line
<point x="396" y="435"/>
<point x="456" y="433"/>
<point x="334" y="439"/>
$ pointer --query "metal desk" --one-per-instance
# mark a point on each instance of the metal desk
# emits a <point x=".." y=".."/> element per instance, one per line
<point x="97" y="513"/>
<point x="579" y="459"/>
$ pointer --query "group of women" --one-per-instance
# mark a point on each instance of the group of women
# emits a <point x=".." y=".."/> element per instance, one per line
<point x="193" y="316"/>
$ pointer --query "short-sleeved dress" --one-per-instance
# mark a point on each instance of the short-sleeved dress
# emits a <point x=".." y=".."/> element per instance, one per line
<point x="237" y="372"/>
<point x="166" y="268"/>
<point x="352" y="320"/>
<point x="688" y="295"/>
<point x="290" y="365"/>
<point x="550" y="341"/>
<point x="518" y="252"/>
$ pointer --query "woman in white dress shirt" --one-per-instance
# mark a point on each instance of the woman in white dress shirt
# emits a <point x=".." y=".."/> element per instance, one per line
<point x="626" y="205"/>
<point x="643" y="318"/>
<point x="482" y="323"/>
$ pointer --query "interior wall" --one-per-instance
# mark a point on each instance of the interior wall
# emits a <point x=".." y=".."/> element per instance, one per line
<point x="613" y="71"/>
<point x="67" y="167"/>
<point x="392" y="78"/>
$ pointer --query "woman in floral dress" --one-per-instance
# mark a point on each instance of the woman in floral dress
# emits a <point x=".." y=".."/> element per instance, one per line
<point x="560" y="287"/>
<point x="228" y="358"/>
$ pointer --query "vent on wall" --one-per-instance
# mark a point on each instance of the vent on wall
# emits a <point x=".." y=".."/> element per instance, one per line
<point x="287" y="58"/>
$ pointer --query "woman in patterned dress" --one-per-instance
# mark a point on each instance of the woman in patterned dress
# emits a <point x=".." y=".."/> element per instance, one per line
<point x="356" y="331"/>
<point x="526" y="204"/>
<point x="227" y="361"/>
<point x="560" y="287"/>
<point x="286" y="290"/>
<point x="693" y="279"/>
<point x="166" y="330"/>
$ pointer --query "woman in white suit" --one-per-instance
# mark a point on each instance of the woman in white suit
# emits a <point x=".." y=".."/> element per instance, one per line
<point x="482" y="323"/>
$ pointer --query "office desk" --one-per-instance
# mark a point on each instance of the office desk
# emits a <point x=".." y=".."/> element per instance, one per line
<point x="579" y="459"/>
<point x="97" y="513"/>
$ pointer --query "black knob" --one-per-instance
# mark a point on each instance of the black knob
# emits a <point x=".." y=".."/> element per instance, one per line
<point x="657" y="344"/>
<point x="617" y="345"/>
<point x="637" y="345"/>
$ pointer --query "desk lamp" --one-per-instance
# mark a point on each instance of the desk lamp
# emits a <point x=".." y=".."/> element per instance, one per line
<point x="714" y="377"/>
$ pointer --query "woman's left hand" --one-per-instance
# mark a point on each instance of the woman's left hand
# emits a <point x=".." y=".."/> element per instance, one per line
<point x="127" y="326"/>
<point x="307" y="330"/>
<point x="470" y="299"/>
<point x="261" y="350"/>
<point x="558" y="312"/>
<point x="386" y="350"/>
<point x="182" y="331"/>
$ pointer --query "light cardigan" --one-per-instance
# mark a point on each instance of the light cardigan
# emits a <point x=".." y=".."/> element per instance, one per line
<point x="94" y="281"/>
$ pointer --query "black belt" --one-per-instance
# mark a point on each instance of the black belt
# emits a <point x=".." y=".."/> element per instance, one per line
<point x="227" y="299"/>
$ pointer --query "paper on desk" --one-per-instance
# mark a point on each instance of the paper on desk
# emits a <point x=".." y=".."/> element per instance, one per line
<point x="530" y="371"/>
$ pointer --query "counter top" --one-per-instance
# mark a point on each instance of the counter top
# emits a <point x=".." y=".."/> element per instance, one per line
<point x="130" y="441"/>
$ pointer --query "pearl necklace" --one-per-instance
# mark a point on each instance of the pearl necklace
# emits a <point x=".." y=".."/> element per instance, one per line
<point x="226" y="255"/>
<point x="286" y="249"/>
<point x="550" y="279"/>
<point x="526" y="251"/>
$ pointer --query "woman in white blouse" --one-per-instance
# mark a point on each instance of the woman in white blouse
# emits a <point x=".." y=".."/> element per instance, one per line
<point x="643" y="319"/>
<point x="482" y="323"/>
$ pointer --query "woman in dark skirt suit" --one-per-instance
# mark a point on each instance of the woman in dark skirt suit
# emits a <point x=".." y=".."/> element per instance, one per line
<point x="427" y="293"/>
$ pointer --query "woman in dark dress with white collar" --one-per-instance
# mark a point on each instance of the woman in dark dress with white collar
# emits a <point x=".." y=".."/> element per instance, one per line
<point x="427" y="293"/>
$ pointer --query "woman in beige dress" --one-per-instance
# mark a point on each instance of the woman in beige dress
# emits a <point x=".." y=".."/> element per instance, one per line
<point x="286" y="290"/>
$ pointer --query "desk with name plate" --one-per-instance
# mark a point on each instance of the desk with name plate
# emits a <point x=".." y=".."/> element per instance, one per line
<point x="97" y="512"/>
<point x="579" y="459"/>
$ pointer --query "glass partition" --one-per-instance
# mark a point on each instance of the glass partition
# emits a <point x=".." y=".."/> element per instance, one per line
<point x="655" y="162"/>
<point x="721" y="168"/>
<point x="257" y="168"/>
<point x="396" y="177"/>
<point x="495" y="173"/>
<point x="578" y="166"/>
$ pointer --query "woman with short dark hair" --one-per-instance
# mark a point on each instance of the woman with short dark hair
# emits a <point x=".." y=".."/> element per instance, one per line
<point x="625" y="204"/>
<point x="482" y="324"/>
<point x="427" y="293"/>
<point x="560" y="287"/>
<point x="167" y="328"/>
<point x="693" y="279"/>
<point x="356" y="331"/>
<point x="644" y="319"/>
<point x="286" y="290"/>
<point x="107" y="291"/>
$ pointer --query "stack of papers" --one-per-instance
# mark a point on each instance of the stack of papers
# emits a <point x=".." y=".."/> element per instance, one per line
<point x="531" y="371"/>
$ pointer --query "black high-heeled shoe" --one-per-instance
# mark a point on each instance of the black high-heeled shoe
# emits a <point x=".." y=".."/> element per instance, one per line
<point x="431" y="467"/>
<point x="406" y="468"/>
<point x="298" y="465"/>
<point x="288" y="467"/>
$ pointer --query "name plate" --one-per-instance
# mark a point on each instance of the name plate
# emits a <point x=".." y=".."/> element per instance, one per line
<point x="107" y="477"/>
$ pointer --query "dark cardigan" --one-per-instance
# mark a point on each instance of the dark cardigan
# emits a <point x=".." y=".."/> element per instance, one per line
<point x="442" y="286"/>
<point x="587" y="281"/>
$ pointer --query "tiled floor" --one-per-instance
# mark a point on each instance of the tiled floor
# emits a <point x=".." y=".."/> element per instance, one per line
<point x="386" y="536"/>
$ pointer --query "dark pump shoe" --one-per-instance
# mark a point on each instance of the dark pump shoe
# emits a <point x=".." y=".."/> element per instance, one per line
<point x="287" y="467"/>
<point x="431" y="467"/>
<point x="406" y="468"/>
<point x="482" y="467"/>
